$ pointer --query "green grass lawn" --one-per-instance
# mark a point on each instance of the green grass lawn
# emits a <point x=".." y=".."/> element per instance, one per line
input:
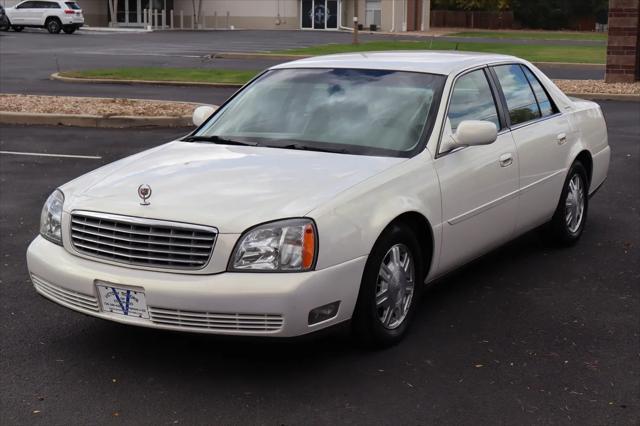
<point x="533" y="35"/>
<point x="535" y="53"/>
<point x="167" y="74"/>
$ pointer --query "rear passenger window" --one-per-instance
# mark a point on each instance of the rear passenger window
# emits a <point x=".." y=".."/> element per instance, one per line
<point x="546" y="106"/>
<point x="521" y="101"/>
<point x="472" y="99"/>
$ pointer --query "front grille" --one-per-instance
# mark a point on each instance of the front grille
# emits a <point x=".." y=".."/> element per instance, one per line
<point x="144" y="242"/>
<point x="65" y="296"/>
<point x="217" y="321"/>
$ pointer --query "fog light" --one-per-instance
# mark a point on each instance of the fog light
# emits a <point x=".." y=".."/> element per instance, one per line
<point x="323" y="313"/>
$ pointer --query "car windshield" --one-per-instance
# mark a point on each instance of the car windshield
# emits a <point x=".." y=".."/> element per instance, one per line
<point x="72" y="5"/>
<point x="355" y="111"/>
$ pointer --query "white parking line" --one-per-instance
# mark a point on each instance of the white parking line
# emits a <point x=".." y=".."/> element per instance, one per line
<point x="36" y="154"/>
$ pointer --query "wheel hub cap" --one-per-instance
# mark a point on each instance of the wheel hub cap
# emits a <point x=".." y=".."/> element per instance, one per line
<point x="395" y="285"/>
<point x="574" y="204"/>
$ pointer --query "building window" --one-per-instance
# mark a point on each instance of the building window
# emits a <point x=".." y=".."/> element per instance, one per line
<point x="373" y="10"/>
<point x="319" y="14"/>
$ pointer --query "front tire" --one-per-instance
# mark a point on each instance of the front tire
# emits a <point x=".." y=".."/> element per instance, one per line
<point x="390" y="288"/>
<point x="567" y="224"/>
<point x="54" y="26"/>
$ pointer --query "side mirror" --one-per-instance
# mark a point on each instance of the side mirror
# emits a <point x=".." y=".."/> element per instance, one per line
<point x="471" y="133"/>
<point x="201" y="114"/>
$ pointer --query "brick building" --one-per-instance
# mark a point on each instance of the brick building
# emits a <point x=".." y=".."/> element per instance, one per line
<point x="386" y="15"/>
<point x="623" y="50"/>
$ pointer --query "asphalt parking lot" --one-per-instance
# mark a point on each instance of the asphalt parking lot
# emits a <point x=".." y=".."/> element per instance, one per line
<point x="526" y="335"/>
<point x="27" y="59"/>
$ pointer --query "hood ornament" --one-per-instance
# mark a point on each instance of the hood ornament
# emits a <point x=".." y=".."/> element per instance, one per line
<point x="144" y="192"/>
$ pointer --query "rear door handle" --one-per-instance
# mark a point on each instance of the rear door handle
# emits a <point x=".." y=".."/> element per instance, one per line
<point x="562" y="138"/>
<point x="506" y="160"/>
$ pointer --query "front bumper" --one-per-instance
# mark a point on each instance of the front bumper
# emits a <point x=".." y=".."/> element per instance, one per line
<point x="252" y="304"/>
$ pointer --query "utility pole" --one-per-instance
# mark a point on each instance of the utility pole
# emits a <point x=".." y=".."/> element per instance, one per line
<point x="355" y="21"/>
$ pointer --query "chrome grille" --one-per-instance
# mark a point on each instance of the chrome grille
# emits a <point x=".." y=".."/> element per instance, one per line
<point x="65" y="296"/>
<point x="145" y="242"/>
<point x="217" y="321"/>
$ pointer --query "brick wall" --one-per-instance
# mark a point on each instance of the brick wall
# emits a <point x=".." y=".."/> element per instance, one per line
<point x="623" y="49"/>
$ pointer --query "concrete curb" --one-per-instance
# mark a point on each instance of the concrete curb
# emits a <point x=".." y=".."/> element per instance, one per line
<point x="569" y="64"/>
<point x="605" y="97"/>
<point x="258" y="55"/>
<point x="78" y="120"/>
<point x="119" y="30"/>
<point x="57" y="76"/>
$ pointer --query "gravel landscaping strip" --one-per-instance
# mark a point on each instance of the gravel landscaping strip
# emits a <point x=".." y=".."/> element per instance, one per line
<point x="598" y="86"/>
<point x="103" y="107"/>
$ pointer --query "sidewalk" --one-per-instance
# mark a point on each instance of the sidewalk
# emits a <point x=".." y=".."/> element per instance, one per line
<point x="115" y="29"/>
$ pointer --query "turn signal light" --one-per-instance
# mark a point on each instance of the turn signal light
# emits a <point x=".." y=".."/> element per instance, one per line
<point x="308" y="247"/>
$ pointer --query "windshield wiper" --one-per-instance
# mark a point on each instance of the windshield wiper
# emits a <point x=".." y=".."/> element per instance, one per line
<point x="219" y="140"/>
<point x="302" y="147"/>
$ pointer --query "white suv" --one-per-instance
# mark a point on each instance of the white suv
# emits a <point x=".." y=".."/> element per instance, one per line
<point x="54" y="15"/>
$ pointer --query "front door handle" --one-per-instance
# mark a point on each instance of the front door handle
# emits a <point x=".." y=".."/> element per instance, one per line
<point x="562" y="138"/>
<point x="506" y="160"/>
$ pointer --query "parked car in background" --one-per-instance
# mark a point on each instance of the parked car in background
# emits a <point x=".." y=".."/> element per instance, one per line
<point x="4" y="21"/>
<point x="326" y="190"/>
<point x="54" y="15"/>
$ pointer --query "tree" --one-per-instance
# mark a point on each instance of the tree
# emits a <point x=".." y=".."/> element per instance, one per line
<point x="548" y="14"/>
<point x="554" y="14"/>
<point x="490" y="5"/>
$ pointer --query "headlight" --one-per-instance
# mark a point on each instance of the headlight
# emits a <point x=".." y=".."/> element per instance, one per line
<point x="51" y="217"/>
<point x="283" y="246"/>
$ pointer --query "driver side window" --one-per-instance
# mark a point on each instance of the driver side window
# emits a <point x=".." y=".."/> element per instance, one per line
<point x="472" y="99"/>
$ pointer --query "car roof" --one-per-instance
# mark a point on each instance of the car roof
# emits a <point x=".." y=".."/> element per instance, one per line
<point x="427" y="61"/>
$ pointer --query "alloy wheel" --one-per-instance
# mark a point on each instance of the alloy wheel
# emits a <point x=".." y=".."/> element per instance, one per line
<point x="53" y="26"/>
<point x="574" y="204"/>
<point x="395" y="286"/>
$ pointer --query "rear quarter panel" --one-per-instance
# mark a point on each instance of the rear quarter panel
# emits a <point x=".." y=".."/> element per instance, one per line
<point x="588" y="122"/>
<point x="588" y="125"/>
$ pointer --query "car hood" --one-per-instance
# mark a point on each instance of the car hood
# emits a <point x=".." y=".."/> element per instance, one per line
<point x="229" y="187"/>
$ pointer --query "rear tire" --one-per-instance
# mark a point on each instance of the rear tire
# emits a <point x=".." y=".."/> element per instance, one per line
<point x="5" y="24"/>
<point x="390" y="289"/>
<point x="568" y="221"/>
<point x="54" y="26"/>
<point x="69" y="29"/>
<point x="17" y="28"/>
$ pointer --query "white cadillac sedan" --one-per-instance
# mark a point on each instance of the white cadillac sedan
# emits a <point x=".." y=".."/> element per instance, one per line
<point x="326" y="190"/>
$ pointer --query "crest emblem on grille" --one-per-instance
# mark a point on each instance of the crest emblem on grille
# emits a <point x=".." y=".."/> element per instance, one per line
<point x="144" y="192"/>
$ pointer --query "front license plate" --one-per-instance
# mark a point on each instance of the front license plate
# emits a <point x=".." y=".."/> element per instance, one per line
<point x="122" y="301"/>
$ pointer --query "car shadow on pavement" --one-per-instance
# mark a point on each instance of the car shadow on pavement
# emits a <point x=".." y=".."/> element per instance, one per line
<point x="441" y="308"/>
